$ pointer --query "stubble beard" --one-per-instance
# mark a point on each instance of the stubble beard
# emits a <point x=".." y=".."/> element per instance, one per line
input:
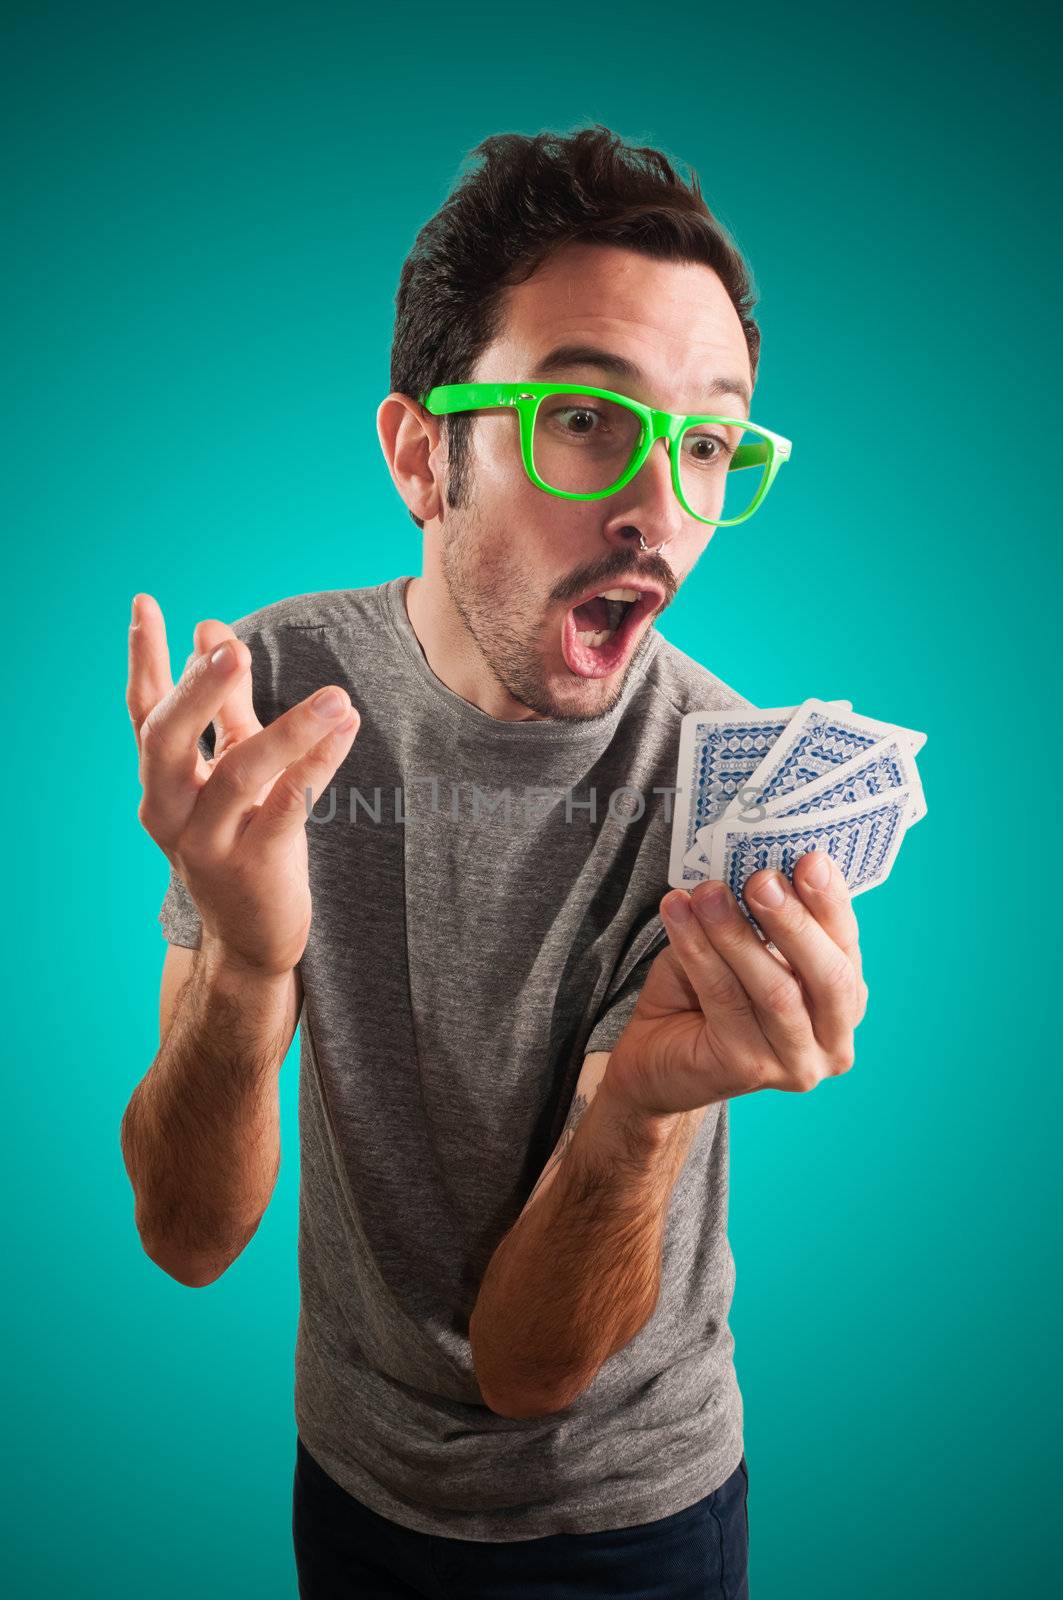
<point x="502" y="612"/>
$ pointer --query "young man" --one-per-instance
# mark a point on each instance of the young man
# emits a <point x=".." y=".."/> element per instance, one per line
<point x="497" y="1378"/>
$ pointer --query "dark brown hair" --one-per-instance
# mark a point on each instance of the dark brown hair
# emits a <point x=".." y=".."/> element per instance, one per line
<point x="530" y="196"/>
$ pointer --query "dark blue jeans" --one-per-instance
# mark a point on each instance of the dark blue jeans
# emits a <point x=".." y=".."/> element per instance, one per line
<point x="344" y="1550"/>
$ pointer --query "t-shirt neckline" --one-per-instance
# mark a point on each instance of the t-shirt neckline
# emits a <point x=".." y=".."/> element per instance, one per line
<point x="463" y="713"/>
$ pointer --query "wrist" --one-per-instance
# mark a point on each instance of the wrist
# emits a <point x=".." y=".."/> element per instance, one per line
<point x="657" y="1128"/>
<point x="651" y="1128"/>
<point x="223" y="965"/>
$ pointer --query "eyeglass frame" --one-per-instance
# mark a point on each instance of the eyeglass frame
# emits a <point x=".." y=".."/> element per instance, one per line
<point x="526" y="398"/>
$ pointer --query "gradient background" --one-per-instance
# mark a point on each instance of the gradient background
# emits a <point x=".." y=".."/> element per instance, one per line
<point x="210" y="206"/>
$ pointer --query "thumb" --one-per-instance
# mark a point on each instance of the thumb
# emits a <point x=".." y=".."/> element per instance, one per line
<point x="667" y="987"/>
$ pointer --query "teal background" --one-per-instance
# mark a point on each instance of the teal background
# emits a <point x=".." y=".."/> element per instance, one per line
<point x="209" y="208"/>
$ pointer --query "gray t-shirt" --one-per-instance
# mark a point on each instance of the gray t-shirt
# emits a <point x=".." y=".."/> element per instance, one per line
<point x="460" y="965"/>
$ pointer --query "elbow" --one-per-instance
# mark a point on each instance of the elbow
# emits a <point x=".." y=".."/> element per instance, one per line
<point x="192" y="1272"/>
<point x="496" y="1395"/>
<point x="519" y="1404"/>
<point x="190" y="1267"/>
<point x="187" y="1280"/>
<point x="518" y="1408"/>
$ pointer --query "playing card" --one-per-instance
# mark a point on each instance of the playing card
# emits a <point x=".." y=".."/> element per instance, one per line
<point x="763" y="789"/>
<point x="718" y="752"/>
<point x="889" y="764"/>
<point x="862" y="838"/>
<point x="818" y="739"/>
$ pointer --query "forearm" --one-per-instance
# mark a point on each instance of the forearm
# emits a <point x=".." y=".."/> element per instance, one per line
<point x="578" y="1274"/>
<point x="201" y="1133"/>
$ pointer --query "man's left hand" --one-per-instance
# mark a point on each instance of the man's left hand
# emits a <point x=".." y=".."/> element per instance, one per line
<point x="720" y="1014"/>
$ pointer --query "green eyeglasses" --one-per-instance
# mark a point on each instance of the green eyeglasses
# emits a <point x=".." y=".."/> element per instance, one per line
<point x="722" y="467"/>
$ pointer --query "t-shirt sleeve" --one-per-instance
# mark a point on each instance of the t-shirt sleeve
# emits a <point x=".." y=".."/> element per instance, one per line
<point x="180" y="920"/>
<point x="623" y="992"/>
<point x="181" y="923"/>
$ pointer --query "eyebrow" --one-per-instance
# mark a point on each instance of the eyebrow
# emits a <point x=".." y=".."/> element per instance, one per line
<point x="585" y="355"/>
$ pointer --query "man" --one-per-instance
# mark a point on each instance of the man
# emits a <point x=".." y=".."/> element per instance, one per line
<point x="499" y="1381"/>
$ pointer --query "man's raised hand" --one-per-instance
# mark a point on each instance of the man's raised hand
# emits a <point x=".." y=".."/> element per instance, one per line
<point x="234" y="827"/>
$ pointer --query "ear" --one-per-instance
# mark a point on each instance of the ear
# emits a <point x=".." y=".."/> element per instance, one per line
<point x="410" y="439"/>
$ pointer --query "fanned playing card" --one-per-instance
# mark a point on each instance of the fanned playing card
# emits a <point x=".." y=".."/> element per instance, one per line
<point x="889" y="764"/>
<point x="818" y="739"/>
<point x="761" y="788"/>
<point x="718" y="753"/>
<point x="862" y="838"/>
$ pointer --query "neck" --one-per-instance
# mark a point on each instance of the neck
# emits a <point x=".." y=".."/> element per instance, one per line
<point x="451" y="651"/>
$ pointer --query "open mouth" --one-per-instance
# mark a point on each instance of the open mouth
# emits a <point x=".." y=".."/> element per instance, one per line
<point x="597" y="636"/>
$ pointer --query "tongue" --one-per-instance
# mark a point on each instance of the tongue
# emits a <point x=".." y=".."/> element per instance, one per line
<point x="592" y="616"/>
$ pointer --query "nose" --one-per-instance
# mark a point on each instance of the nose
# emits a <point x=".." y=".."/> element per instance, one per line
<point x="647" y="505"/>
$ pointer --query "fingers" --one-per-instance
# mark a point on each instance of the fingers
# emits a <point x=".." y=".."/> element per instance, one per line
<point x="239" y="775"/>
<point x="236" y="719"/>
<point x="825" y="969"/>
<point x="775" y="994"/>
<point x="287" y="806"/>
<point x="172" y="769"/>
<point x="734" y="1030"/>
<point x="149" y="661"/>
<point x="831" y="905"/>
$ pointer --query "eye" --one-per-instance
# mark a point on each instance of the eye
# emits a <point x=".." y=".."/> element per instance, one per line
<point x="578" y="411"/>
<point x="706" y="448"/>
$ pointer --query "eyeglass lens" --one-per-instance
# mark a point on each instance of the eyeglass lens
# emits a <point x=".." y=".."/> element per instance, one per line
<point x="583" y="443"/>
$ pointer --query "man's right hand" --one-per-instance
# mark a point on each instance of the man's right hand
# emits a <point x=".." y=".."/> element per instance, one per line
<point x="233" y="827"/>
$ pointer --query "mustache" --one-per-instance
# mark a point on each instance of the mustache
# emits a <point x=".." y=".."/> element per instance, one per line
<point x="655" y="570"/>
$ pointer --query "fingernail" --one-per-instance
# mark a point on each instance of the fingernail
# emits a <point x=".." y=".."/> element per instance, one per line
<point x="713" y="904"/>
<point x="677" y="909"/>
<point x="133" y="610"/>
<point x="769" y="892"/>
<point x="222" y="657"/>
<point x="818" y="874"/>
<point x="329" y="703"/>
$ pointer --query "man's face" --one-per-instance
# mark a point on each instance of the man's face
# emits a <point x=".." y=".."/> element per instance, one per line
<point x="516" y="559"/>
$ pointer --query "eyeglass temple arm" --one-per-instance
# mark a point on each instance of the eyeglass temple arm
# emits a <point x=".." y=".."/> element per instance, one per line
<point x="748" y="455"/>
<point x="486" y="394"/>
<point x="754" y="455"/>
